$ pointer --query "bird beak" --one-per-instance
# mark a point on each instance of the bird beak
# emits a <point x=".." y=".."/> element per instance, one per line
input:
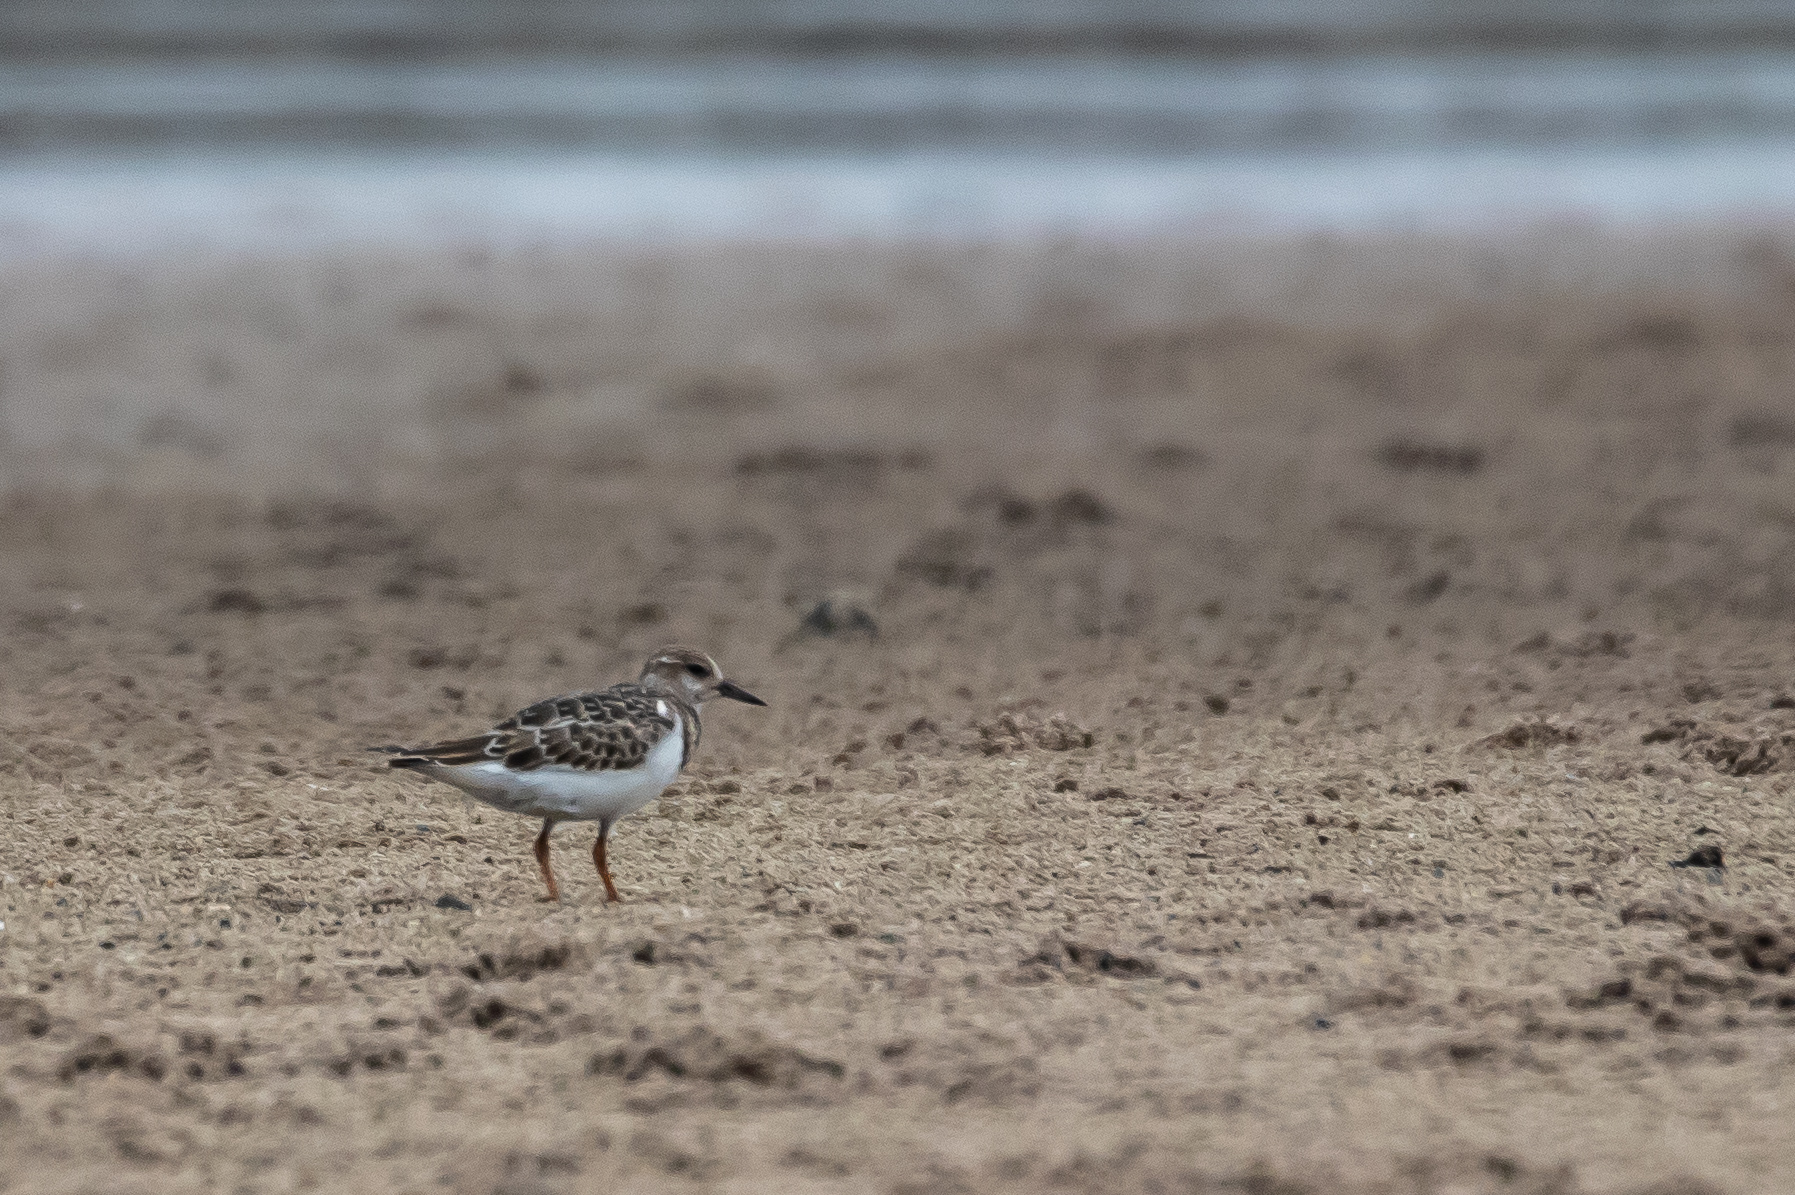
<point x="735" y="692"/>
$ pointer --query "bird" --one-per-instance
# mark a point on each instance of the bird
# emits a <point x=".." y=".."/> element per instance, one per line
<point x="591" y="756"/>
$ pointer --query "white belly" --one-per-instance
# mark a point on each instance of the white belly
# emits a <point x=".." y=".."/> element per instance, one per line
<point x="571" y="794"/>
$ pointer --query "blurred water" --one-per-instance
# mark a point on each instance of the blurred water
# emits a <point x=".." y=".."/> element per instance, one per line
<point x="1053" y="105"/>
<point x="304" y="201"/>
<point x="219" y="150"/>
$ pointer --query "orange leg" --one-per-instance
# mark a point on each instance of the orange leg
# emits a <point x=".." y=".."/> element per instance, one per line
<point x="548" y="873"/>
<point x="598" y="861"/>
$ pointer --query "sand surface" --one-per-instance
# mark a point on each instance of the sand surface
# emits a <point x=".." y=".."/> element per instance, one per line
<point x="1265" y="776"/>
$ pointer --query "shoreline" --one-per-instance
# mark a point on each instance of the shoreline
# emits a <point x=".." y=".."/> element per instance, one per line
<point x="278" y="202"/>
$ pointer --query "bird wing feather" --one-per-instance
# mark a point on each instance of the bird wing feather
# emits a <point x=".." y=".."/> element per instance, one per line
<point x="607" y="730"/>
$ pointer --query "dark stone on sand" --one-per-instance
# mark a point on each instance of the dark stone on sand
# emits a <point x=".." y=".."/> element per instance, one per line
<point x="1173" y="456"/>
<point x="839" y="616"/>
<point x="1702" y="856"/>
<point x="1531" y="734"/>
<point x="1079" y="506"/>
<point x="1412" y="456"/>
<point x="643" y="614"/>
<point x="445" y="901"/>
<point x="1425" y="591"/>
<point x="235" y="601"/>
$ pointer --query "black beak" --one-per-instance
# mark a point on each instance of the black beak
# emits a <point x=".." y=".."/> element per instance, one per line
<point x="735" y="692"/>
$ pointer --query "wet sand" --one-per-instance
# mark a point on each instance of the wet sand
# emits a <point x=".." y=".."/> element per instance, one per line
<point x="1282" y="719"/>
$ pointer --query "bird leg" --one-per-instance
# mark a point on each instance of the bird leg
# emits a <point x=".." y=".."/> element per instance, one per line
<point x="548" y="873"/>
<point x="598" y="861"/>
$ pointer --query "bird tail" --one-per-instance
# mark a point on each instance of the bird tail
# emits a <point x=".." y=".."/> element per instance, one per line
<point x="459" y="751"/>
<point x="406" y="757"/>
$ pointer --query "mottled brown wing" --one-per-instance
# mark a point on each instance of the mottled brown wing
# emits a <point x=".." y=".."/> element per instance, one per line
<point x="608" y="730"/>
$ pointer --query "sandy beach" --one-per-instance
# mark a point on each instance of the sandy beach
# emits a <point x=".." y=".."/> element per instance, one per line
<point x="1296" y="714"/>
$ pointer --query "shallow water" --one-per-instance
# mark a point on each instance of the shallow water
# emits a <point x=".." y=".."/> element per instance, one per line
<point x="227" y="152"/>
<point x="297" y="201"/>
<point x="907" y="102"/>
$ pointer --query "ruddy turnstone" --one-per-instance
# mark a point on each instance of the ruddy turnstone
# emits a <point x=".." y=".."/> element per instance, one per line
<point x="588" y="757"/>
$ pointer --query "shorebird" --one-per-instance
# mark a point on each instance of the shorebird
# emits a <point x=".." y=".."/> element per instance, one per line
<point x="589" y="757"/>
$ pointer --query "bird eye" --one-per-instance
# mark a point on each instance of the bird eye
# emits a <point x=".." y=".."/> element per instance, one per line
<point x="697" y="669"/>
